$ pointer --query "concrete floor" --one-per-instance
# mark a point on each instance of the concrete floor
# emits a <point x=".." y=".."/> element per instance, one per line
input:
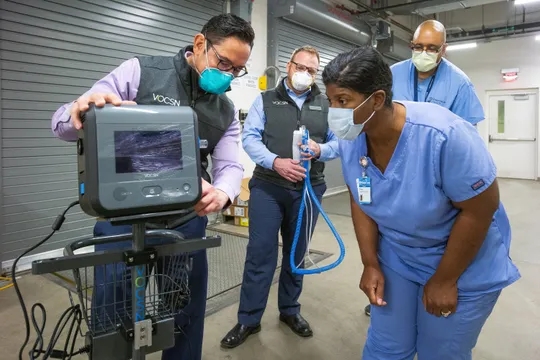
<point x="334" y="305"/>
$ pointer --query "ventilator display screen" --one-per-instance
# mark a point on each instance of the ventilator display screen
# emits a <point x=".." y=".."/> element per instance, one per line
<point x="148" y="151"/>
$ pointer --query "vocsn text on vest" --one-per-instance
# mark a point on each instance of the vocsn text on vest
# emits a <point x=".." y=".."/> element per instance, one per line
<point x="165" y="100"/>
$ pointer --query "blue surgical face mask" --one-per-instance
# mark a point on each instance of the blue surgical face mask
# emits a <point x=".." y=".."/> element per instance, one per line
<point x="341" y="122"/>
<point x="213" y="80"/>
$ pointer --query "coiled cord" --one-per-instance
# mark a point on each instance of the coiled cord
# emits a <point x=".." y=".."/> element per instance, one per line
<point x="73" y="313"/>
<point x="310" y="198"/>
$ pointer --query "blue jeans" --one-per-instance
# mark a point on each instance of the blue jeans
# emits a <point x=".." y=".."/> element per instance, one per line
<point x="404" y="328"/>
<point x="188" y="345"/>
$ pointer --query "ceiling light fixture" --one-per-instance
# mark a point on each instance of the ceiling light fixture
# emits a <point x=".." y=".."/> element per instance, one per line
<point x="330" y="18"/>
<point x="524" y="2"/>
<point x="461" y="46"/>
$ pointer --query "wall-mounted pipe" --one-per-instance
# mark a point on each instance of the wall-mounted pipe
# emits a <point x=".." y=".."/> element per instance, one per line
<point x="324" y="18"/>
<point x="412" y="4"/>
<point x="384" y="17"/>
<point x="490" y="39"/>
<point x="487" y="33"/>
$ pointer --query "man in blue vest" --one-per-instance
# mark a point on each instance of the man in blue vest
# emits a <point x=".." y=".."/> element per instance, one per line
<point x="276" y="191"/>
<point x="429" y="77"/>
<point x="198" y="76"/>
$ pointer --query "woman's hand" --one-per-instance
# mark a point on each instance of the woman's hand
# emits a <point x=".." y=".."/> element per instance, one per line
<point x="372" y="284"/>
<point x="440" y="298"/>
<point x="310" y="151"/>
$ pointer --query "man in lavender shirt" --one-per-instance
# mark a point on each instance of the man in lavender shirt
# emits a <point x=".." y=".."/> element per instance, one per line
<point x="198" y="76"/>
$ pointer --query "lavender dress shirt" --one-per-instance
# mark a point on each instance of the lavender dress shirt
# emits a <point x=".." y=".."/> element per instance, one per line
<point x="227" y="171"/>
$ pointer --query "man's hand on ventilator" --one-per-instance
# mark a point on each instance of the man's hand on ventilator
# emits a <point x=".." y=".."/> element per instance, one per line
<point x="290" y="169"/>
<point x="212" y="200"/>
<point x="82" y="104"/>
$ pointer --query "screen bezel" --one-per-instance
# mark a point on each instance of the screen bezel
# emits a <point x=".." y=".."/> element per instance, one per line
<point x="107" y="157"/>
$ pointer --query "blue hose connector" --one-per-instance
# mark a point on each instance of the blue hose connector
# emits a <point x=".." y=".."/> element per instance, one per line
<point x="309" y="190"/>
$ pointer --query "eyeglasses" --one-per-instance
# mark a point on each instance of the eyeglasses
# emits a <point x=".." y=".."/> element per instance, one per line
<point x="430" y="49"/>
<point x="226" y="65"/>
<point x="301" y="67"/>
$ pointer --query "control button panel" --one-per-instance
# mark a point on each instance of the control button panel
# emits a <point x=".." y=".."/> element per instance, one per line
<point x="151" y="191"/>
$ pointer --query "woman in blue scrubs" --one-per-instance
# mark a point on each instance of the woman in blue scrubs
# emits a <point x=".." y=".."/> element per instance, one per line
<point x="433" y="235"/>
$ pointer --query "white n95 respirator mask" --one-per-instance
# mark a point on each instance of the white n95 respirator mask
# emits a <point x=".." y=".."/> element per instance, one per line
<point x="301" y="80"/>
<point x="424" y="61"/>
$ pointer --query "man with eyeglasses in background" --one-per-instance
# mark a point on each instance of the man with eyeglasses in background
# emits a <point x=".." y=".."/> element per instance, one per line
<point x="429" y="77"/>
<point x="198" y="76"/>
<point x="276" y="192"/>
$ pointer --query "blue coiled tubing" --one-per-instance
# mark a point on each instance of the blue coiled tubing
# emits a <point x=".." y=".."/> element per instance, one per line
<point x="309" y="195"/>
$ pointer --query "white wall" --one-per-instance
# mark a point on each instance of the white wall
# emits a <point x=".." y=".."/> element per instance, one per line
<point x="483" y="65"/>
<point x="245" y="90"/>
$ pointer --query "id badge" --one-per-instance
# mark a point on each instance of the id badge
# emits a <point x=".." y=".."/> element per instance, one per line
<point x="363" y="186"/>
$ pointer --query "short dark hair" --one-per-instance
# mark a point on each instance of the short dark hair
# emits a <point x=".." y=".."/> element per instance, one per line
<point x="224" y="26"/>
<point x="363" y="70"/>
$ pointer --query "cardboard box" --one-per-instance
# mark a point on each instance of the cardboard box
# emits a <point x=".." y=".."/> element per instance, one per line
<point x="239" y="202"/>
<point x="243" y="198"/>
<point x="239" y="221"/>
<point x="238" y="211"/>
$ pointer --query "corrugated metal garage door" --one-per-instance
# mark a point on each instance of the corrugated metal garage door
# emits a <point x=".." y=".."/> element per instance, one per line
<point x="292" y="36"/>
<point x="53" y="51"/>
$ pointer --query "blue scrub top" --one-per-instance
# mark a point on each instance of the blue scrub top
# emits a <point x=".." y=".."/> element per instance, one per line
<point x="439" y="158"/>
<point x="450" y="88"/>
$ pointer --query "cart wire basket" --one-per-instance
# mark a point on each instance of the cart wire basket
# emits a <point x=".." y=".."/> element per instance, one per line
<point x="105" y="292"/>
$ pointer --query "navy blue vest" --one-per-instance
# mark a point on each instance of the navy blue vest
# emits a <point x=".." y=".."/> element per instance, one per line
<point x="282" y="118"/>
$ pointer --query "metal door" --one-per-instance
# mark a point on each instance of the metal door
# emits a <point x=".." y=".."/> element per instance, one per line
<point x="513" y="117"/>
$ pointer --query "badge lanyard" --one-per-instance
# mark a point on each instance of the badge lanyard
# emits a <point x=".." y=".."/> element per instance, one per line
<point x="430" y="85"/>
<point x="363" y="184"/>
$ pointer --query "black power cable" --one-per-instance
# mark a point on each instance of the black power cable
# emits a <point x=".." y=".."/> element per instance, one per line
<point x="73" y="313"/>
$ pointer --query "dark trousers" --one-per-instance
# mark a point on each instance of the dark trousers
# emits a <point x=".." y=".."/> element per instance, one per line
<point x="188" y="345"/>
<point x="272" y="208"/>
